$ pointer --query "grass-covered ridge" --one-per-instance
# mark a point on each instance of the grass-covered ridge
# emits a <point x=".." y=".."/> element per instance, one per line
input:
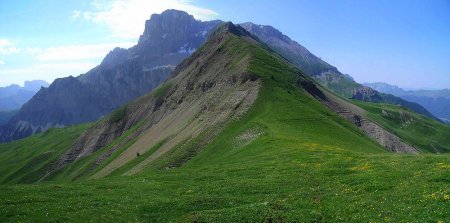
<point x="300" y="162"/>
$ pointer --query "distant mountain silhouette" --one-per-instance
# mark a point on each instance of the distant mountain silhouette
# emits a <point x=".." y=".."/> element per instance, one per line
<point x="435" y="101"/>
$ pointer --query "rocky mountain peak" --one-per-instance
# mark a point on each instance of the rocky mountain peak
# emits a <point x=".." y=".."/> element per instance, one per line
<point x="168" y="24"/>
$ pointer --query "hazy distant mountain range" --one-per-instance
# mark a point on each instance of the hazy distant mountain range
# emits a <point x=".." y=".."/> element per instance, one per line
<point x="14" y="96"/>
<point x="435" y="101"/>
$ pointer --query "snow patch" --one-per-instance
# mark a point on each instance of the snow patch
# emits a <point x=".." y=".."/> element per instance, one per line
<point x="168" y="66"/>
<point x="185" y="50"/>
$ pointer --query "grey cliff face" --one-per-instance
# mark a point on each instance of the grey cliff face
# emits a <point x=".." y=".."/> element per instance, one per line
<point x="123" y="75"/>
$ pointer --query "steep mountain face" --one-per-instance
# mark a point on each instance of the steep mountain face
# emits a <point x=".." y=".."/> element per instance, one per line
<point x="13" y="97"/>
<point x="5" y="116"/>
<point x="435" y="101"/>
<point x="123" y="75"/>
<point x="323" y="72"/>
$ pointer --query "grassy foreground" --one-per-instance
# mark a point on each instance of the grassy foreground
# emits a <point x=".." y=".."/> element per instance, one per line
<point x="288" y="159"/>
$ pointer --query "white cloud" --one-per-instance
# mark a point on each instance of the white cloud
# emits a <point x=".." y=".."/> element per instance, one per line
<point x="7" y="47"/>
<point x="126" y="18"/>
<point x="2" y="62"/>
<point x="5" y="42"/>
<point x="76" y="52"/>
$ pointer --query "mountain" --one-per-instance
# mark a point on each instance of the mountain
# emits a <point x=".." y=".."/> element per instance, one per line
<point x="209" y="90"/>
<point x="435" y="101"/>
<point x="13" y="97"/>
<point x="123" y="75"/>
<point x="236" y="134"/>
<point x="323" y="72"/>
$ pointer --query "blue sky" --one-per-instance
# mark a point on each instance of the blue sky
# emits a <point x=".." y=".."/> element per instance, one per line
<point x="406" y="43"/>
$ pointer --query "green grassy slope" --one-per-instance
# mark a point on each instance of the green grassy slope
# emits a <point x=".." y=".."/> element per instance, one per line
<point x="24" y="161"/>
<point x="288" y="159"/>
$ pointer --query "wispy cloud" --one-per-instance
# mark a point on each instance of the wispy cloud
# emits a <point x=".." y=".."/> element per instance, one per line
<point x="126" y="18"/>
<point x="7" y="47"/>
<point x="2" y="62"/>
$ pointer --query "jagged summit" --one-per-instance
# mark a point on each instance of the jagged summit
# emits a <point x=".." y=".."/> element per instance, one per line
<point x="164" y="23"/>
<point x="170" y="29"/>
